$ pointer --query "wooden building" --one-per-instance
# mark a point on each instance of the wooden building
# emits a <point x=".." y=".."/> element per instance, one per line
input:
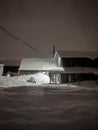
<point x="77" y="65"/>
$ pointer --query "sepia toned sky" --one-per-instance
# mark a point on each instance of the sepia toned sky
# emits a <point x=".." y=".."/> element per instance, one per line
<point x="67" y="24"/>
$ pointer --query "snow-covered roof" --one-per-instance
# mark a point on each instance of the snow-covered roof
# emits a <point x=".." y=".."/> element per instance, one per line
<point x="57" y="69"/>
<point x="81" y="70"/>
<point x="37" y="64"/>
<point x="76" y="54"/>
<point x="1" y="65"/>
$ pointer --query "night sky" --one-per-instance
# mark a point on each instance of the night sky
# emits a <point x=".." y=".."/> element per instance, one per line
<point x="67" y="24"/>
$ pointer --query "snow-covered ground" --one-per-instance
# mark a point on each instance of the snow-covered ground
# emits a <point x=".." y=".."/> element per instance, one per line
<point x="24" y="80"/>
<point x="29" y="102"/>
<point x="39" y="80"/>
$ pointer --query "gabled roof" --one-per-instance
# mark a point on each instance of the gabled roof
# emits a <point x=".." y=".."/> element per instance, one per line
<point x="77" y="54"/>
<point x="37" y="64"/>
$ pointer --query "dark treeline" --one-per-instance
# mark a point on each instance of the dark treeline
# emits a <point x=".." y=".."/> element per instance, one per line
<point x="7" y="69"/>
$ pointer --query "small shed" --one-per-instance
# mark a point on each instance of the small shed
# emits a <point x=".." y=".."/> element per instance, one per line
<point x="1" y="69"/>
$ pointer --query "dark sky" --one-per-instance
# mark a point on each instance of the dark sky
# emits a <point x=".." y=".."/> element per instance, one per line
<point x="67" y="24"/>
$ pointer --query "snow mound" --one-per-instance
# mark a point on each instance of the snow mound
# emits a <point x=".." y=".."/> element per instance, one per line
<point x="24" y="80"/>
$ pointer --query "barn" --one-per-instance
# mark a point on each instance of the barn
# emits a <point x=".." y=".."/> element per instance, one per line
<point x="77" y="65"/>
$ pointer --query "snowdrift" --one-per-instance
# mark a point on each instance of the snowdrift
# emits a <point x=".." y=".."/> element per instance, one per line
<point x="24" y="80"/>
